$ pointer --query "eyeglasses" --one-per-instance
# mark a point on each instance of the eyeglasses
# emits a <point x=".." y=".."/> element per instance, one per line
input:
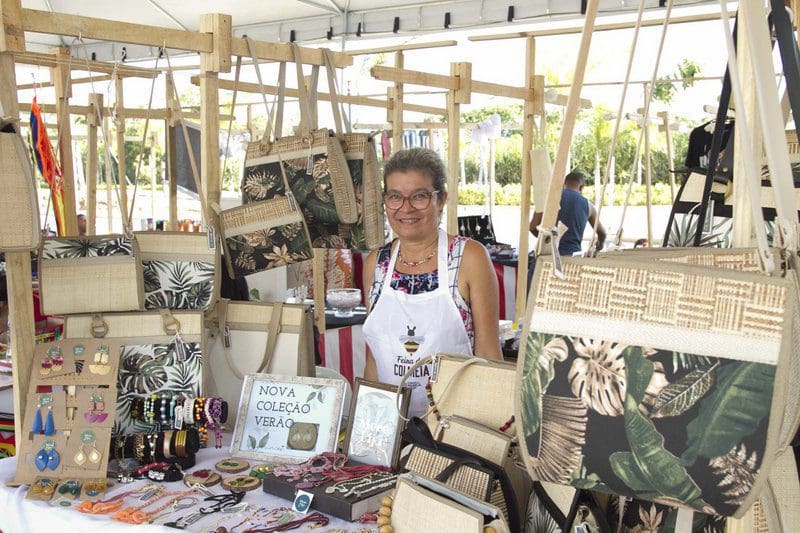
<point x="417" y="200"/>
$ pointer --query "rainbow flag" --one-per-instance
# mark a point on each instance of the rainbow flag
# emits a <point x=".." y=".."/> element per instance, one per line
<point x="48" y="164"/>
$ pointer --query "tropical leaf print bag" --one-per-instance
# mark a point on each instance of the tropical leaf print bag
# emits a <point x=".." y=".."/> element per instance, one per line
<point x="179" y="270"/>
<point x="160" y="352"/>
<point x="318" y="172"/>
<point x="89" y="274"/>
<point x="663" y="380"/>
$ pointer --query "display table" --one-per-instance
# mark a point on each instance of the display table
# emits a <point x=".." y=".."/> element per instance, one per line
<point x="20" y="515"/>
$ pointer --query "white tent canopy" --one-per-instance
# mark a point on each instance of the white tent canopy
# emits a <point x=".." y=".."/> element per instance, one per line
<point x="314" y="20"/>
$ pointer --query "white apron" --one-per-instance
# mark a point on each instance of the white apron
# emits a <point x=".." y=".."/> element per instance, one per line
<point x="403" y="328"/>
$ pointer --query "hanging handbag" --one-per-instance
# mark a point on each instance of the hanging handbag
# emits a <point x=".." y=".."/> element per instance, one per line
<point x="160" y="352"/>
<point x="89" y="274"/>
<point x="19" y="203"/>
<point x="319" y="175"/>
<point x="179" y="269"/>
<point x="264" y="235"/>
<point x="253" y="338"/>
<point x="664" y="381"/>
<point x="421" y="504"/>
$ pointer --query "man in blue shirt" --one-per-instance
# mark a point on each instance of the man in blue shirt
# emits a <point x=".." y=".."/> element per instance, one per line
<point x="575" y="212"/>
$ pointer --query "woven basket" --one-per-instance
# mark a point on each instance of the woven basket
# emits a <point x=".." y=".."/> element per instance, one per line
<point x="19" y="204"/>
<point x="471" y="480"/>
<point x="297" y="149"/>
<point x="180" y="270"/>
<point x="89" y="274"/>
<point x="264" y="235"/>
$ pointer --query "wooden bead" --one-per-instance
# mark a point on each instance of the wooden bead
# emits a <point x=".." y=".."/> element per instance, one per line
<point x="386" y="529"/>
<point x="489" y="529"/>
<point x="387" y="501"/>
<point x="385" y="511"/>
<point x="383" y="521"/>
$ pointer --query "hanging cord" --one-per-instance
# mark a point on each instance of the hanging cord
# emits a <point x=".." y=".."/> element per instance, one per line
<point x="615" y="135"/>
<point x="144" y="139"/>
<point x="753" y="175"/>
<point x="192" y="163"/>
<point x="233" y="113"/>
<point x="645" y="125"/>
<point x="126" y="224"/>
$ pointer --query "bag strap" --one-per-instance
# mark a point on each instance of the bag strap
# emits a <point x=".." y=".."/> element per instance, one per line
<point x="547" y="502"/>
<point x="304" y="129"/>
<point x="272" y="338"/>
<point x="273" y="129"/>
<point x="752" y="173"/>
<point x="434" y="360"/>
<point x="336" y="105"/>
<point x="313" y="97"/>
<point x="237" y="71"/>
<point x="192" y="162"/>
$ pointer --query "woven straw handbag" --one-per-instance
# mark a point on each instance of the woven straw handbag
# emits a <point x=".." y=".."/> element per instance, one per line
<point x="420" y="504"/>
<point x="179" y="269"/>
<point x="159" y="352"/>
<point x="90" y="274"/>
<point x="319" y="174"/>
<point x="255" y="337"/>
<point x="19" y="203"/>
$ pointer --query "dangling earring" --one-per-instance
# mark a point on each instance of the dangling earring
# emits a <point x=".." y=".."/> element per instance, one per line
<point x="47" y="457"/>
<point x="49" y="428"/>
<point x="78" y="352"/>
<point x="88" y="437"/>
<point x="37" y="420"/>
<point x="46" y="365"/>
<point x="57" y="360"/>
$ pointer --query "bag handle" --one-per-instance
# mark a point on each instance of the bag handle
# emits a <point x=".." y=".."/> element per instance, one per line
<point x="273" y="331"/>
<point x="273" y="129"/>
<point x="304" y="129"/>
<point x="342" y="125"/>
<point x="752" y="174"/>
<point x="433" y="359"/>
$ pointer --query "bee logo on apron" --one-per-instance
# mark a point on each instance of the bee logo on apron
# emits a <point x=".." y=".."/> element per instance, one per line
<point x="410" y="341"/>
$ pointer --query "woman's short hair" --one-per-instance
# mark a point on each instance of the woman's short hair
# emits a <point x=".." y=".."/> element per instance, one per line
<point x="422" y="160"/>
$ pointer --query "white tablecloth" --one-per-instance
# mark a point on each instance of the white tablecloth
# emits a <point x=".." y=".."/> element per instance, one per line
<point x="18" y="515"/>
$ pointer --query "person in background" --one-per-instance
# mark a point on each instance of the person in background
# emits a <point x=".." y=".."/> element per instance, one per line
<point x="81" y="224"/>
<point x="429" y="292"/>
<point x="641" y="243"/>
<point x="575" y="212"/>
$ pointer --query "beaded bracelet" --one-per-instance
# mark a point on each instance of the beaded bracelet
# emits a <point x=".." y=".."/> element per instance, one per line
<point x="171" y="418"/>
<point x="138" y="447"/>
<point x="163" y="410"/>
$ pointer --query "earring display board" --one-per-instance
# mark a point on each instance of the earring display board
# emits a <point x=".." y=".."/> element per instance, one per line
<point x="287" y="419"/>
<point x="70" y="413"/>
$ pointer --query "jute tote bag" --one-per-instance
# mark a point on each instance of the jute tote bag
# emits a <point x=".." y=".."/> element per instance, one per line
<point x="19" y="203"/>
<point x="255" y="337"/>
<point x="160" y="352"/>
<point x="88" y="274"/>
<point x="179" y="269"/>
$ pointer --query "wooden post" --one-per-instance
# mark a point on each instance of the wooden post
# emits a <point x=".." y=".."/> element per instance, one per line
<point x="63" y="89"/>
<point x="318" y="280"/>
<point x="462" y="94"/>
<point x="530" y="109"/>
<point x="18" y="264"/>
<point x="119" y="123"/>
<point x="91" y="162"/>
<point x="490" y="177"/>
<point x="670" y="153"/>
<point x="397" y="109"/>
<point x="172" y="161"/>
<point x="742" y="214"/>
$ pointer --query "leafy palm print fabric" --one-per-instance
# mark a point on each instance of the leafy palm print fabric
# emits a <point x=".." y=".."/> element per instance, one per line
<point x="268" y="248"/>
<point x="178" y="284"/>
<point x="154" y="369"/>
<point x="80" y="247"/>
<point x="644" y="423"/>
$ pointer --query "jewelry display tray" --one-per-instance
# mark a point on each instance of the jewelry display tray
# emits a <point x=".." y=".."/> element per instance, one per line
<point x="336" y="504"/>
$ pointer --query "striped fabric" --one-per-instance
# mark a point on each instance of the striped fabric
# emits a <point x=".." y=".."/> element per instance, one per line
<point x="344" y="350"/>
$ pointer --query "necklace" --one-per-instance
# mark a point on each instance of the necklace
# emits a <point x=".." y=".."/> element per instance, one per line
<point x="415" y="263"/>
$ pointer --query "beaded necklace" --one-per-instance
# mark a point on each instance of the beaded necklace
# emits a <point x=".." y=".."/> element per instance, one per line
<point x="134" y="515"/>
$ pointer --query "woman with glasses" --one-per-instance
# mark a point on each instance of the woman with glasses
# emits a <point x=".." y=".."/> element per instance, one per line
<point x="429" y="292"/>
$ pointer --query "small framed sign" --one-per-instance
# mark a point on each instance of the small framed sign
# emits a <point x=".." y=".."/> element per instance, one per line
<point x="374" y="427"/>
<point x="287" y="419"/>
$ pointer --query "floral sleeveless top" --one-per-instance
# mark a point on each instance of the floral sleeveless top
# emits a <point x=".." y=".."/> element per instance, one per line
<point x="420" y="283"/>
